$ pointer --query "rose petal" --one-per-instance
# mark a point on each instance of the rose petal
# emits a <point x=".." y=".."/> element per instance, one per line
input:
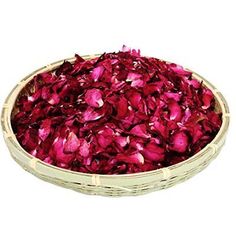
<point x="140" y="131"/>
<point x="179" y="142"/>
<point x="93" y="97"/>
<point x="45" y="129"/>
<point x="97" y="73"/>
<point x="72" y="143"/>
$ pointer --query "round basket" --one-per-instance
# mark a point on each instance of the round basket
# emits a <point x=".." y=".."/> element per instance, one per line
<point x="111" y="185"/>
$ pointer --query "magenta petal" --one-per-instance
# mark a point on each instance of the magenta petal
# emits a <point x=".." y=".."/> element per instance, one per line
<point x="135" y="79"/>
<point x="175" y="111"/>
<point x="59" y="155"/>
<point x="45" y="129"/>
<point x="122" y="141"/>
<point x="175" y="96"/>
<point x="97" y="73"/>
<point x="105" y="137"/>
<point x="54" y="99"/>
<point x="134" y="158"/>
<point x="179" y="142"/>
<point x="84" y="148"/>
<point x="179" y="70"/>
<point x="72" y="143"/>
<point x="160" y="128"/>
<point x="207" y="98"/>
<point x="122" y="107"/>
<point x="153" y="152"/>
<point x="140" y="131"/>
<point x="93" y="98"/>
<point x="90" y="115"/>
<point x="134" y="99"/>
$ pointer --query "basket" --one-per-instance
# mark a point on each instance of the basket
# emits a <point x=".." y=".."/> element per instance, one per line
<point x="112" y="185"/>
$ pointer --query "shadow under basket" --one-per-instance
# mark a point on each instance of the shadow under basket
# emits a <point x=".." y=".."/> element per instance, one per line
<point x="111" y="185"/>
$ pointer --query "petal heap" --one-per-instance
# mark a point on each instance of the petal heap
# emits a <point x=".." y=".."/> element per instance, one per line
<point x="119" y="113"/>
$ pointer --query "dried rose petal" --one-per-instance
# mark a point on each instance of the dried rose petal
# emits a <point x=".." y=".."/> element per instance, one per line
<point x="134" y="158"/>
<point x="97" y="73"/>
<point x="179" y="142"/>
<point x="58" y="151"/>
<point x="153" y="152"/>
<point x="140" y="131"/>
<point x="45" y="129"/>
<point x="175" y="111"/>
<point x="91" y="115"/>
<point x="135" y="80"/>
<point x="207" y="98"/>
<point x="84" y="148"/>
<point x="72" y="143"/>
<point x="93" y="97"/>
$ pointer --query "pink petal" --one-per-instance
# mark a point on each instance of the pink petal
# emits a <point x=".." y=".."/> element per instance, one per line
<point x="175" y="111"/>
<point x="122" y="141"/>
<point x="59" y="155"/>
<point x="91" y="115"/>
<point x="135" y="80"/>
<point x="45" y="129"/>
<point x="84" y="148"/>
<point x="54" y="99"/>
<point x="105" y="137"/>
<point x="160" y="128"/>
<point x="207" y="98"/>
<point x="93" y="97"/>
<point x="140" y="131"/>
<point x="153" y="152"/>
<point x="97" y="73"/>
<point x="134" y="99"/>
<point x="179" y="142"/>
<point x="134" y="158"/>
<point x="72" y="143"/>
<point x="175" y="96"/>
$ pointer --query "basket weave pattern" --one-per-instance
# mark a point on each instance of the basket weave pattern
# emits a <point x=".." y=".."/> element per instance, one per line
<point x="112" y="185"/>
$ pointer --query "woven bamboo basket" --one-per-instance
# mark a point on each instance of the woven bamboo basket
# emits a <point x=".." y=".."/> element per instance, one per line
<point x="111" y="185"/>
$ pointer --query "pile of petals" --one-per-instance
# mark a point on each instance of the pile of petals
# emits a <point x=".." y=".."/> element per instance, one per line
<point x="118" y="113"/>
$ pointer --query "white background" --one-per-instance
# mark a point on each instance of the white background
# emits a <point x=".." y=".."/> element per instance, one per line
<point x="197" y="34"/>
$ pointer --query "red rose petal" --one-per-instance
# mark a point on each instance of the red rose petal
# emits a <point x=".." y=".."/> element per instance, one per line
<point x="140" y="131"/>
<point x="179" y="142"/>
<point x="134" y="158"/>
<point x="93" y="97"/>
<point x="72" y="143"/>
<point x="97" y="73"/>
<point x="45" y="129"/>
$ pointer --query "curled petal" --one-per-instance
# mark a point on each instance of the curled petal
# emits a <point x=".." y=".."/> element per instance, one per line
<point x="174" y="96"/>
<point x="179" y="142"/>
<point x="122" y="107"/>
<point x="58" y="151"/>
<point x="135" y="80"/>
<point x="105" y="137"/>
<point x="45" y="129"/>
<point x="140" y="131"/>
<point x="97" y="73"/>
<point x="134" y="158"/>
<point x="153" y="152"/>
<point x="91" y="115"/>
<point x="175" y="111"/>
<point x="93" y="98"/>
<point x="122" y="141"/>
<point x="207" y="98"/>
<point x="72" y="143"/>
<point x="84" y="148"/>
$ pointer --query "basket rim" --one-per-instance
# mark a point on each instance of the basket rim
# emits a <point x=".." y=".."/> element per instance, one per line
<point x="8" y="132"/>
